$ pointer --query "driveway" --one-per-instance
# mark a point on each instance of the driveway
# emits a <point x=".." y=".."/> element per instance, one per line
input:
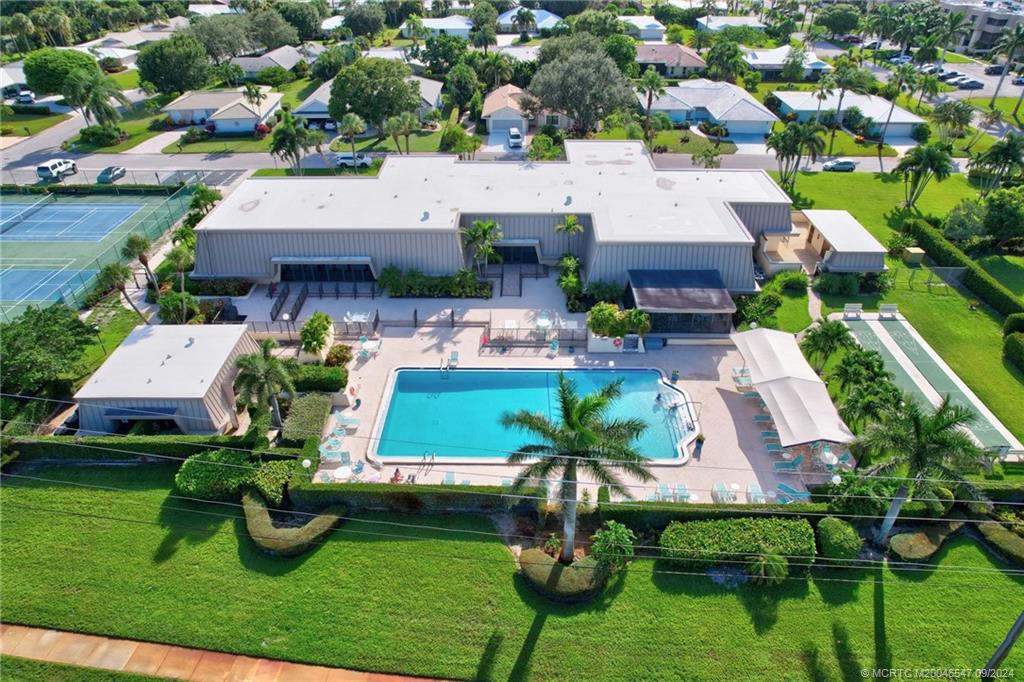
<point x="497" y="146"/>
<point x="752" y="143"/>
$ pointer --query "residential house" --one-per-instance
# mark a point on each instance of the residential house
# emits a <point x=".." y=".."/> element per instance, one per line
<point x="716" y="102"/>
<point x="669" y="59"/>
<point x="454" y="25"/>
<point x="644" y="28"/>
<point x="286" y="56"/>
<point x="210" y="9"/>
<point x="771" y="62"/>
<point x="124" y="56"/>
<point x="716" y="23"/>
<point x="315" y="107"/>
<point x="227" y="110"/>
<point x="542" y="19"/>
<point x="180" y="376"/>
<point x="805" y="106"/>
<point x="503" y="110"/>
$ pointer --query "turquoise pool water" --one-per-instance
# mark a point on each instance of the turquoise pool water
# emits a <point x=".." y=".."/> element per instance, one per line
<point x="457" y="414"/>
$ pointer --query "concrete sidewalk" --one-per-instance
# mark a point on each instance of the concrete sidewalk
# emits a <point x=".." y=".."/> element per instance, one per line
<point x="162" y="660"/>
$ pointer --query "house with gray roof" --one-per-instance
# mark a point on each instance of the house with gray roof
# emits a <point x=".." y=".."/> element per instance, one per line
<point x="226" y="109"/>
<point x="805" y="106"/>
<point x="285" y="56"/>
<point x="315" y="107"/>
<point x="716" y="102"/>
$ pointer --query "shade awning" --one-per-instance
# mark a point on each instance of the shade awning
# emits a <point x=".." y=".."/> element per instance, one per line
<point x="680" y="291"/>
<point x="794" y="395"/>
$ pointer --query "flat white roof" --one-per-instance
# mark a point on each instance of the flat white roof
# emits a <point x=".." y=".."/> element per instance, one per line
<point x="165" y="361"/>
<point x="777" y="58"/>
<point x="843" y="232"/>
<point x="642" y="22"/>
<point x="718" y="23"/>
<point x="872" y="106"/>
<point x="541" y="17"/>
<point x="615" y="182"/>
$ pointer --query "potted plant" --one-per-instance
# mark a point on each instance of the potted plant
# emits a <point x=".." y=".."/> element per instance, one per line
<point x="315" y="334"/>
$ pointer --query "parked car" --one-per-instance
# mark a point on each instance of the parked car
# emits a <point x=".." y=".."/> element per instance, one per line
<point x="840" y="165"/>
<point x="901" y="59"/>
<point x="872" y="45"/>
<point x="957" y="80"/>
<point x="929" y="69"/>
<point x="970" y="84"/>
<point x="55" y="169"/>
<point x="330" y="125"/>
<point x="1019" y="80"/>
<point x="26" y="97"/>
<point x="111" y="174"/>
<point x="515" y="138"/>
<point x="995" y="69"/>
<point x="949" y="75"/>
<point x="855" y="40"/>
<point x="346" y="160"/>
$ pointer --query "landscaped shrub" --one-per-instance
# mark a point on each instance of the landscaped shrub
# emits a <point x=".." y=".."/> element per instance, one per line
<point x="314" y="332"/>
<point x="215" y="475"/>
<point x="758" y="309"/>
<point x="1005" y="541"/>
<point x="271" y="478"/>
<point x="699" y="544"/>
<point x="289" y="541"/>
<point x="576" y="582"/>
<point x="1013" y="349"/>
<point x="320" y="378"/>
<point x="837" y="539"/>
<point x="612" y="545"/>
<point x="165" y="448"/>
<point x="415" y="284"/>
<point x="605" y="319"/>
<point x="942" y="501"/>
<point x="102" y="136"/>
<point x="921" y="545"/>
<point x="945" y="253"/>
<point x="274" y="76"/>
<point x="842" y="283"/>
<point x="790" y="280"/>
<point x="898" y="242"/>
<point x="306" y="418"/>
<point x="1013" y="323"/>
<point x="260" y="423"/>
<point x="339" y="355"/>
<point x="31" y="109"/>
<point x="768" y="569"/>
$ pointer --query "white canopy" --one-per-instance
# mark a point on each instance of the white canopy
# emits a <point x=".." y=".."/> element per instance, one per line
<point x="797" y="399"/>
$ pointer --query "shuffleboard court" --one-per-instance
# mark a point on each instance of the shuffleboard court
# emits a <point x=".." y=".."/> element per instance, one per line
<point x="868" y="340"/>
<point x="58" y="222"/>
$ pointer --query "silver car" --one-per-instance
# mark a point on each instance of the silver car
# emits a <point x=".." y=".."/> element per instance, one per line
<point x="840" y="165"/>
<point x="515" y="138"/>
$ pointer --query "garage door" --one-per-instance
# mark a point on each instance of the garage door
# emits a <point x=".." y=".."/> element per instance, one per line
<point x="747" y="127"/>
<point x="898" y="130"/>
<point x="501" y="124"/>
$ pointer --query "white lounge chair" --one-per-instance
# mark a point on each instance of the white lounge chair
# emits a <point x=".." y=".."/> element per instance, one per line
<point x="453" y="359"/>
<point x="852" y="311"/>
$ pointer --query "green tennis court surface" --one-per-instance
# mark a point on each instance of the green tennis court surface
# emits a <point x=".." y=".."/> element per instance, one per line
<point x="53" y="246"/>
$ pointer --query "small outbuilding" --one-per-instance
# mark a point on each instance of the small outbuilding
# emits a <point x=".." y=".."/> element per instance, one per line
<point x="681" y="301"/>
<point x="644" y="27"/>
<point x="821" y="240"/>
<point x="181" y="376"/>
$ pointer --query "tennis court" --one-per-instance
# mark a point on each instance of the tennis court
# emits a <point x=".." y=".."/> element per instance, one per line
<point x="53" y="247"/>
<point x="51" y="220"/>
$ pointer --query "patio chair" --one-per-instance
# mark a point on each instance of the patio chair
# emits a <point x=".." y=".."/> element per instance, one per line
<point x="363" y="339"/>
<point x="653" y="497"/>
<point x="663" y="492"/>
<point x="774" y="447"/>
<point x="791" y="465"/>
<point x="752" y="395"/>
<point x="364" y="355"/>
<point x="720" y="493"/>
<point x="453" y="359"/>
<point x="769" y="435"/>
<point x="506" y="483"/>
<point x="465" y="481"/>
<point x="740" y="372"/>
<point x="763" y="419"/>
<point x="449" y="478"/>
<point x="755" y="494"/>
<point x="682" y="494"/>
<point x="358" y="468"/>
<point x="793" y="493"/>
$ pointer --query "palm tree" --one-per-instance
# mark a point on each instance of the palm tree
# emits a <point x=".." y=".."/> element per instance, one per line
<point x="350" y="126"/>
<point x="859" y="367"/>
<point x="926" y="447"/>
<point x="1009" y="43"/>
<point x="204" y="198"/>
<point x="953" y="117"/>
<point x="74" y="91"/>
<point x="902" y="77"/>
<point x="929" y="86"/>
<point x="570" y="226"/>
<point x="114" y="276"/>
<point x="725" y="60"/>
<point x="955" y="27"/>
<point x="821" y="341"/>
<point x="414" y="29"/>
<point x="523" y="19"/>
<point x="700" y="40"/>
<point x="652" y="85"/>
<point x="920" y="165"/>
<point x="393" y="128"/>
<point x="255" y="97"/>
<point x="823" y="89"/>
<point x="866" y="403"/>
<point x="708" y="157"/>
<point x="786" y="146"/>
<point x="1002" y="160"/>
<point x="137" y="246"/>
<point x="849" y="78"/>
<point x="181" y="258"/>
<point x="883" y="23"/>
<point x="928" y="49"/>
<point x="22" y="28"/>
<point x="585" y="440"/>
<point x="479" y="238"/>
<point x="497" y="68"/>
<point x="409" y="124"/>
<point x="291" y="140"/>
<point x="262" y="377"/>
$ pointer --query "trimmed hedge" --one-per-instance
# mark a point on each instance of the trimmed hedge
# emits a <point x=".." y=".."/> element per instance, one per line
<point x="320" y="378"/>
<point x="982" y="284"/>
<point x="32" y="109"/>
<point x="271" y="478"/>
<point x="119" y="448"/>
<point x="577" y="582"/>
<point x="837" y="539"/>
<point x="1013" y="349"/>
<point x="1013" y="323"/>
<point x="306" y="418"/>
<point x="286" y="541"/>
<point x="700" y="543"/>
<point x="1004" y="540"/>
<point x="215" y="474"/>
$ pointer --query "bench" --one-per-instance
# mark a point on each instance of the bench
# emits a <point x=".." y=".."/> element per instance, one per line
<point x="852" y="310"/>
<point x="888" y="311"/>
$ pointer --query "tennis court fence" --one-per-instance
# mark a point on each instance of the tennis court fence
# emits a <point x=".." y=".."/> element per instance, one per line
<point x="21" y="216"/>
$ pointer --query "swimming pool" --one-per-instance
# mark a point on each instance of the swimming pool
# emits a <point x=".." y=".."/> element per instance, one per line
<point x="457" y="414"/>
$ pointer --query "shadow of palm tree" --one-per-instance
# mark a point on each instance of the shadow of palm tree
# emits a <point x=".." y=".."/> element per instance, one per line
<point x="849" y="664"/>
<point x="883" y="654"/>
<point x="189" y="522"/>
<point x="521" y="669"/>
<point x="813" y="665"/>
<point x="485" y="669"/>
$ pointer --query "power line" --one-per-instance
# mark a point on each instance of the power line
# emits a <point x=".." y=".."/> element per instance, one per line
<point x="416" y="526"/>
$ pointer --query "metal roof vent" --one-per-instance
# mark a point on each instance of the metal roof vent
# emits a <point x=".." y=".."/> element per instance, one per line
<point x="426" y="217"/>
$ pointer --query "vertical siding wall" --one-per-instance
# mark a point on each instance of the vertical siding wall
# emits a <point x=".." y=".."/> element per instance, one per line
<point x="192" y="416"/>
<point x="760" y="218"/>
<point x="218" y="404"/>
<point x="540" y="227"/>
<point x="855" y="262"/>
<point x="734" y="262"/>
<point x="249" y="254"/>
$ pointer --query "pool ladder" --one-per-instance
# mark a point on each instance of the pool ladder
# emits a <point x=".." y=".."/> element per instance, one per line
<point x="444" y="368"/>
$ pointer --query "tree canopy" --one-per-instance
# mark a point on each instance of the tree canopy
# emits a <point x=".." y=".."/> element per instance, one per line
<point x="39" y="346"/>
<point x="374" y="89"/>
<point x="222" y="35"/>
<point x="586" y="87"/>
<point x="174" y="65"/>
<point x="442" y="52"/>
<point x="268" y="28"/>
<point x="46" y="69"/>
<point x="365" y="20"/>
<point x="839" y="18"/>
<point x="622" y="49"/>
<point x="304" y="16"/>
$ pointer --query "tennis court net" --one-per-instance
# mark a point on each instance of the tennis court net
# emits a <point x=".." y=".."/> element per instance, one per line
<point x="21" y="216"/>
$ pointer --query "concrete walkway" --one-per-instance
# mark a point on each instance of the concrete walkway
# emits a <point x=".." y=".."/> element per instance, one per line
<point x="162" y="660"/>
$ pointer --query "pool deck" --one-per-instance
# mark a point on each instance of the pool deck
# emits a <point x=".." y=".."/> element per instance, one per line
<point x="733" y="453"/>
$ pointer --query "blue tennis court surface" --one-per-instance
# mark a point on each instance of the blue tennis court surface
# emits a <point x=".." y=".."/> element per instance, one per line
<point x="56" y="222"/>
<point x="37" y="284"/>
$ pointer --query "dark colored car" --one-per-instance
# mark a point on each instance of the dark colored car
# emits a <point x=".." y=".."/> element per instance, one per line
<point x="971" y="85"/>
<point x="110" y="174"/>
<point x="995" y="69"/>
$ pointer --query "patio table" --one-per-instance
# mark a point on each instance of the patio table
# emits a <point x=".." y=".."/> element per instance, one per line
<point x="343" y="473"/>
<point x="371" y="346"/>
<point x="828" y="458"/>
<point x="358" y="318"/>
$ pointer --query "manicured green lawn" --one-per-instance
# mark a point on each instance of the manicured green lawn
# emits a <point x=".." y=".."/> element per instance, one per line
<point x="221" y="144"/>
<point x="1007" y="269"/>
<point x="420" y="141"/>
<point x="673" y="139"/>
<point x="1003" y="104"/>
<point x="765" y="88"/>
<point x="792" y="316"/>
<point x="846" y="145"/>
<point x="970" y="342"/>
<point x="135" y="122"/>
<point x="315" y="172"/>
<point x="115" y="323"/>
<point x="27" y="670"/>
<point x="957" y="58"/>
<point x="391" y="37"/>
<point x="33" y="122"/>
<point x="295" y="92"/>
<point x="444" y="602"/>
<point x="127" y="80"/>
<point x="963" y="147"/>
